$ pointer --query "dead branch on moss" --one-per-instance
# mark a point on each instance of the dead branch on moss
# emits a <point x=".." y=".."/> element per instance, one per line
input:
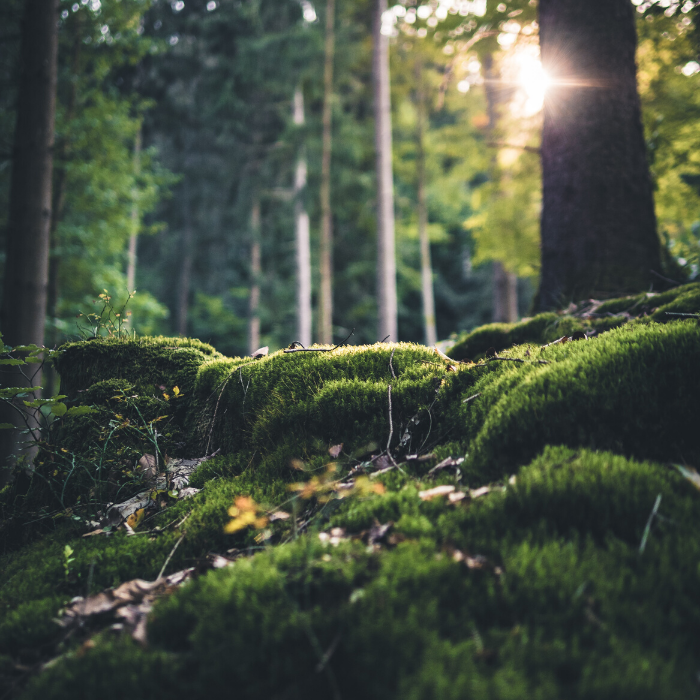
<point x="675" y="313"/>
<point x="471" y="398"/>
<point x="509" y="359"/>
<point x="170" y="556"/>
<point x="296" y="346"/>
<point x="391" y="366"/>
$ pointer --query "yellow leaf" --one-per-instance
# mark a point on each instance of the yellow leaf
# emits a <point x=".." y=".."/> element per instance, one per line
<point x="176" y="391"/>
<point x="135" y="518"/>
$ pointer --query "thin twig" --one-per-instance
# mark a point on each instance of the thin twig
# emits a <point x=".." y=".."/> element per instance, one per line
<point x="647" y="529"/>
<point x="391" y="366"/>
<point x="216" y="408"/>
<point x="471" y="398"/>
<point x="172" y="551"/>
<point x="674" y="313"/>
<point x="391" y="429"/>
<point x="293" y="348"/>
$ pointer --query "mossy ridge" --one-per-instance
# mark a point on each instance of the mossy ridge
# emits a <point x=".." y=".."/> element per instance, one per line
<point x="633" y="390"/>
<point x="565" y="619"/>
<point x="547" y="327"/>
<point x="145" y="362"/>
<point x="297" y="405"/>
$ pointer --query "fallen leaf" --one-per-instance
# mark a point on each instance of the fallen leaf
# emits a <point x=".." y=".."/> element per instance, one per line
<point x="335" y="450"/>
<point x="435" y="492"/>
<point x="187" y="492"/>
<point x="476" y="493"/>
<point x="690" y="474"/>
<point x="447" y="462"/>
<point x="135" y="518"/>
<point x="279" y="515"/>
<point x="260" y="352"/>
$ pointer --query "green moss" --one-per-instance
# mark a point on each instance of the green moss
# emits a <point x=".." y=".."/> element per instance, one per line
<point x="546" y="327"/>
<point x="577" y="611"/>
<point x="565" y="605"/>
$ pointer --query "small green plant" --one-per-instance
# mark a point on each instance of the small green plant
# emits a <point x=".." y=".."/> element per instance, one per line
<point x="68" y="559"/>
<point x="109" y="321"/>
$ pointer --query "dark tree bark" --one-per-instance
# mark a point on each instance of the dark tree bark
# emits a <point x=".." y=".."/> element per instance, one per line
<point x="27" y="263"/>
<point x="23" y="312"/>
<point x="598" y="224"/>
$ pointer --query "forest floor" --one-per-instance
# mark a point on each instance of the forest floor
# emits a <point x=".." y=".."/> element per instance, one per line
<point x="368" y="521"/>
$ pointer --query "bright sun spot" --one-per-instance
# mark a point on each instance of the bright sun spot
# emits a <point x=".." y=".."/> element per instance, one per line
<point x="533" y="80"/>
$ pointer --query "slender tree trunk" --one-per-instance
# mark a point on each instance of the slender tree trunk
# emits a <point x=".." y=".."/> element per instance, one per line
<point x="505" y="284"/>
<point x="426" y="269"/>
<point x="254" y="308"/>
<point x="23" y="312"/>
<point x="183" y="289"/>
<point x="301" y="226"/>
<point x="326" y="306"/>
<point x="505" y="294"/>
<point x="131" y="262"/>
<point x="598" y="224"/>
<point x="386" y="253"/>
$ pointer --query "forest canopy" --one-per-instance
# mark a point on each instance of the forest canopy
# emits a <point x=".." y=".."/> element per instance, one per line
<point x="174" y="119"/>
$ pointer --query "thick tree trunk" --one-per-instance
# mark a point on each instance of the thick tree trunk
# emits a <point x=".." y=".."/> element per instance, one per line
<point x="301" y="226"/>
<point x="386" y="254"/>
<point x="598" y="224"/>
<point x="23" y="312"/>
<point x="27" y="261"/>
<point x="326" y="306"/>
<point x="131" y="260"/>
<point x="183" y="288"/>
<point x="426" y="270"/>
<point x="254" y="307"/>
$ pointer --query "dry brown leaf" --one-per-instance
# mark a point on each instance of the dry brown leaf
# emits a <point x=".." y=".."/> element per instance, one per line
<point x="335" y="450"/>
<point x="476" y="493"/>
<point x="436" y="492"/>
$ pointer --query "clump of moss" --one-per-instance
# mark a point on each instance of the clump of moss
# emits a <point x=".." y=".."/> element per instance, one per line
<point x="558" y="584"/>
<point x="552" y="608"/>
<point x="587" y="318"/>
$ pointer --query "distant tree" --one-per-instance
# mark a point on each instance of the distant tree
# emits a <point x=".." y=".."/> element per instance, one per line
<point x="386" y="253"/>
<point x="326" y="300"/>
<point x="598" y="223"/>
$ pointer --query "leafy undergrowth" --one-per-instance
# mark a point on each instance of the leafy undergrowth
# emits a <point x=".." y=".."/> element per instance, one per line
<point x="556" y="559"/>
<point x="590" y="317"/>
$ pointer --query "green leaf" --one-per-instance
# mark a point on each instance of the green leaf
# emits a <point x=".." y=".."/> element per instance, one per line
<point x="12" y="362"/>
<point x="80" y="410"/>
<point x="59" y="409"/>
<point x="6" y="426"/>
<point x="28" y="348"/>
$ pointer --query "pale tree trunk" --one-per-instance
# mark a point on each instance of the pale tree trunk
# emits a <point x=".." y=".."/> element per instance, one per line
<point x="131" y="262"/>
<point x="505" y="295"/>
<point x="301" y="226"/>
<point x="505" y="284"/>
<point x="386" y="253"/>
<point x="325" y="329"/>
<point x="598" y="223"/>
<point x="426" y="270"/>
<point x="23" y="312"/>
<point x="254" y="307"/>
<point x="183" y="289"/>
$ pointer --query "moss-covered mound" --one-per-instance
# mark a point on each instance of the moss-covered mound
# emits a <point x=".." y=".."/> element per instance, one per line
<point x="554" y="559"/>
<point x="589" y="317"/>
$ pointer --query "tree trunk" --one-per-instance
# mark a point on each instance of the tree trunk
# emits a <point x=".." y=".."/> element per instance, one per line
<point x="426" y="270"/>
<point x="27" y="261"/>
<point x="326" y="305"/>
<point x="254" y="308"/>
<point x="131" y="262"/>
<point x="386" y="254"/>
<point x="183" y="289"/>
<point x="505" y="284"/>
<point x="301" y="226"/>
<point x="23" y="312"/>
<point x="598" y="224"/>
